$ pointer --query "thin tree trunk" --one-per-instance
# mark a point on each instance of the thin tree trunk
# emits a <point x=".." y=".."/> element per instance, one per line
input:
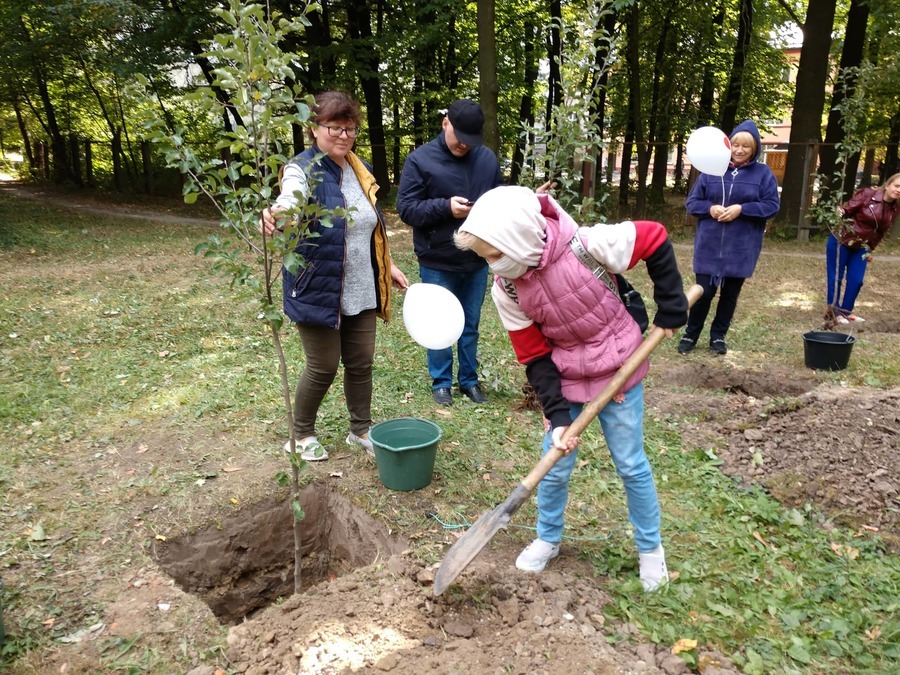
<point x="526" y="107"/>
<point x="733" y="94"/>
<point x="608" y="18"/>
<point x="707" y="88"/>
<point x="368" y="62"/>
<point x="488" y="86"/>
<point x="295" y="468"/>
<point x="23" y="131"/>
<point x="554" y="56"/>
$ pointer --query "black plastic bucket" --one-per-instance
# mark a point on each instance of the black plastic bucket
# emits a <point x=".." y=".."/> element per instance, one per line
<point x="824" y="350"/>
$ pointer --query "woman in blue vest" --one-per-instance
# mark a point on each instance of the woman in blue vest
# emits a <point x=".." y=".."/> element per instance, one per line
<point x="345" y="280"/>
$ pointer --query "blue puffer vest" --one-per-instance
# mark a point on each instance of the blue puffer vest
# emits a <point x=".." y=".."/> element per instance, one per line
<point x="313" y="296"/>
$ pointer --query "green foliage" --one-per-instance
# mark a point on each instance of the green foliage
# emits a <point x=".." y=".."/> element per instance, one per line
<point x="253" y="73"/>
<point x="853" y="119"/>
<point x="573" y="139"/>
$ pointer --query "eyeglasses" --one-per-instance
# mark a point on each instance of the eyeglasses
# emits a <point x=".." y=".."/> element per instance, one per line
<point x="335" y="132"/>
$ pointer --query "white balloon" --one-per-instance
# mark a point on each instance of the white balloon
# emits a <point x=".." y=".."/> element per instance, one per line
<point x="432" y="315"/>
<point x="709" y="150"/>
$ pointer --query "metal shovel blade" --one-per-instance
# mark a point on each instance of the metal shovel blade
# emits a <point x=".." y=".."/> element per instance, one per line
<point x="470" y="544"/>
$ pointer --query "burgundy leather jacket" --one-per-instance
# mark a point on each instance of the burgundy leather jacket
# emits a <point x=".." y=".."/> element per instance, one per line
<point x="870" y="218"/>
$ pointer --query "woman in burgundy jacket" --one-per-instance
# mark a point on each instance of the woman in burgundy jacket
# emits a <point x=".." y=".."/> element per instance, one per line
<point x="867" y="218"/>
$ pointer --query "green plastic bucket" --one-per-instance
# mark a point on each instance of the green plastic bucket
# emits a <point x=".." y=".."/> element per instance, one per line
<point x="405" y="449"/>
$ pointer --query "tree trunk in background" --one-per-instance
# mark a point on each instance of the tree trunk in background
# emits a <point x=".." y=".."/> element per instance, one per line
<point x="23" y="130"/>
<point x="635" y="116"/>
<point x="315" y="42"/>
<point x="742" y="46"/>
<point x="809" y="102"/>
<point x="488" y="87"/>
<point x="397" y="135"/>
<point x="601" y="62"/>
<point x="554" y="56"/>
<point x="526" y="107"/>
<point x="851" y="57"/>
<point x="366" y="57"/>
<point x="658" y="127"/>
<point x="193" y="45"/>
<point x="707" y="88"/>
<point x="633" y="130"/>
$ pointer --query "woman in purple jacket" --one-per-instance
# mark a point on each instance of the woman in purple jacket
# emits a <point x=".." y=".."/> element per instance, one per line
<point x="729" y="234"/>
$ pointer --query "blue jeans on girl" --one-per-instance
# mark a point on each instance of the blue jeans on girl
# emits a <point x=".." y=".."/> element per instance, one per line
<point x="623" y="428"/>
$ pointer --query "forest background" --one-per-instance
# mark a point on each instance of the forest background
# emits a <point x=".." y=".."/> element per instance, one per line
<point x="629" y="76"/>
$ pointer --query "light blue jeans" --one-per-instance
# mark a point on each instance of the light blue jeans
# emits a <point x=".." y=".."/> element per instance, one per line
<point x="623" y="428"/>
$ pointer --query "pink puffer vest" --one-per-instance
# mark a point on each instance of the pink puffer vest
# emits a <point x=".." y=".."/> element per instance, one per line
<point x="588" y="327"/>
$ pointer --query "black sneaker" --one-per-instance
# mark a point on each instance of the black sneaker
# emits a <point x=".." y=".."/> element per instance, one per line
<point x="720" y="347"/>
<point x="686" y="345"/>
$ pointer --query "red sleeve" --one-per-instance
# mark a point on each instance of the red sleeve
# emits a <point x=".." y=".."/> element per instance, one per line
<point x="856" y="201"/>
<point x="529" y="343"/>
<point x="649" y="236"/>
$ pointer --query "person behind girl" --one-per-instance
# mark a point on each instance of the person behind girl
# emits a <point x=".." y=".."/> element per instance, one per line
<point x="871" y="212"/>
<point x="729" y="234"/>
<point x="573" y="333"/>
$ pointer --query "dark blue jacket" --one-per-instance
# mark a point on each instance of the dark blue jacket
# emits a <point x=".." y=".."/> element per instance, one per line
<point x="313" y="296"/>
<point x="732" y="249"/>
<point x="431" y="175"/>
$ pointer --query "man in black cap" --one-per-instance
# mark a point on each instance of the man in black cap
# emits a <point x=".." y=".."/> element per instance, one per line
<point x="440" y="182"/>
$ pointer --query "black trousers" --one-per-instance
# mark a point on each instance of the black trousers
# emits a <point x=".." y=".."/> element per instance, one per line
<point x="729" y="292"/>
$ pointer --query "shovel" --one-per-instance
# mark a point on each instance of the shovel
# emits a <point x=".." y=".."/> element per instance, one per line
<point x="476" y="537"/>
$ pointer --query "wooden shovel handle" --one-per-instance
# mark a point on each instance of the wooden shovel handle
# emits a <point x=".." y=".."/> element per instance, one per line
<point x="590" y="410"/>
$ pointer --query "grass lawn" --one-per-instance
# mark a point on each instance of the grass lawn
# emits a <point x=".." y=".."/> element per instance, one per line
<point x="129" y="370"/>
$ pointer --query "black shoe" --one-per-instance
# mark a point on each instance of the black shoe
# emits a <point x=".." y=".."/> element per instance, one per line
<point x="442" y="396"/>
<point x="474" y="392"/>
<point x="686" y="345"/>
<point x="720" y="347"/>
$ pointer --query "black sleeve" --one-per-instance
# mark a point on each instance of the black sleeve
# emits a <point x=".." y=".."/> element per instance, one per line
<point x="544" y="377"/>
<point x="668" y="290"/>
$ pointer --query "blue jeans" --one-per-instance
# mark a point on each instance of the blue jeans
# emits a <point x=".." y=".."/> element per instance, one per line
<point x="840" y="260"/>
<point x="623" y="428"/>
<point x="469" y="288"/>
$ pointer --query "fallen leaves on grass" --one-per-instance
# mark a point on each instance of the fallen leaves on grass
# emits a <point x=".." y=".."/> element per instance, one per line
<point x="684" y="645"/>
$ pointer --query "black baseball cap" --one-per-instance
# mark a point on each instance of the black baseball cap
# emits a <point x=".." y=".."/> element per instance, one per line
<point x="468" y="121"/>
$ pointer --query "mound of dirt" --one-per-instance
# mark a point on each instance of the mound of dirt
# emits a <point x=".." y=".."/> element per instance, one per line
<point x="834" y="447"/>
<point x="504" y="621"/>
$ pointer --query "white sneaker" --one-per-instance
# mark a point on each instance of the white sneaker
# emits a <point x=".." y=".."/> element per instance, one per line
<point x="359" y="440"/>
<point x="310" y="450"/>
<point x="653" y="569"/>
<point x="856" y="319"/>
<point x="841" y="319"/>
<point x="536" y="556"/>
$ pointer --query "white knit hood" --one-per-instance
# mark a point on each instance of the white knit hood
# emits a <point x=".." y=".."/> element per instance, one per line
<point x="509" y="219"/>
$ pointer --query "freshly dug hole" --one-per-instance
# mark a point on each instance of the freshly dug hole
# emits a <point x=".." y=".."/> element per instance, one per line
<point x="246" y="562"/>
